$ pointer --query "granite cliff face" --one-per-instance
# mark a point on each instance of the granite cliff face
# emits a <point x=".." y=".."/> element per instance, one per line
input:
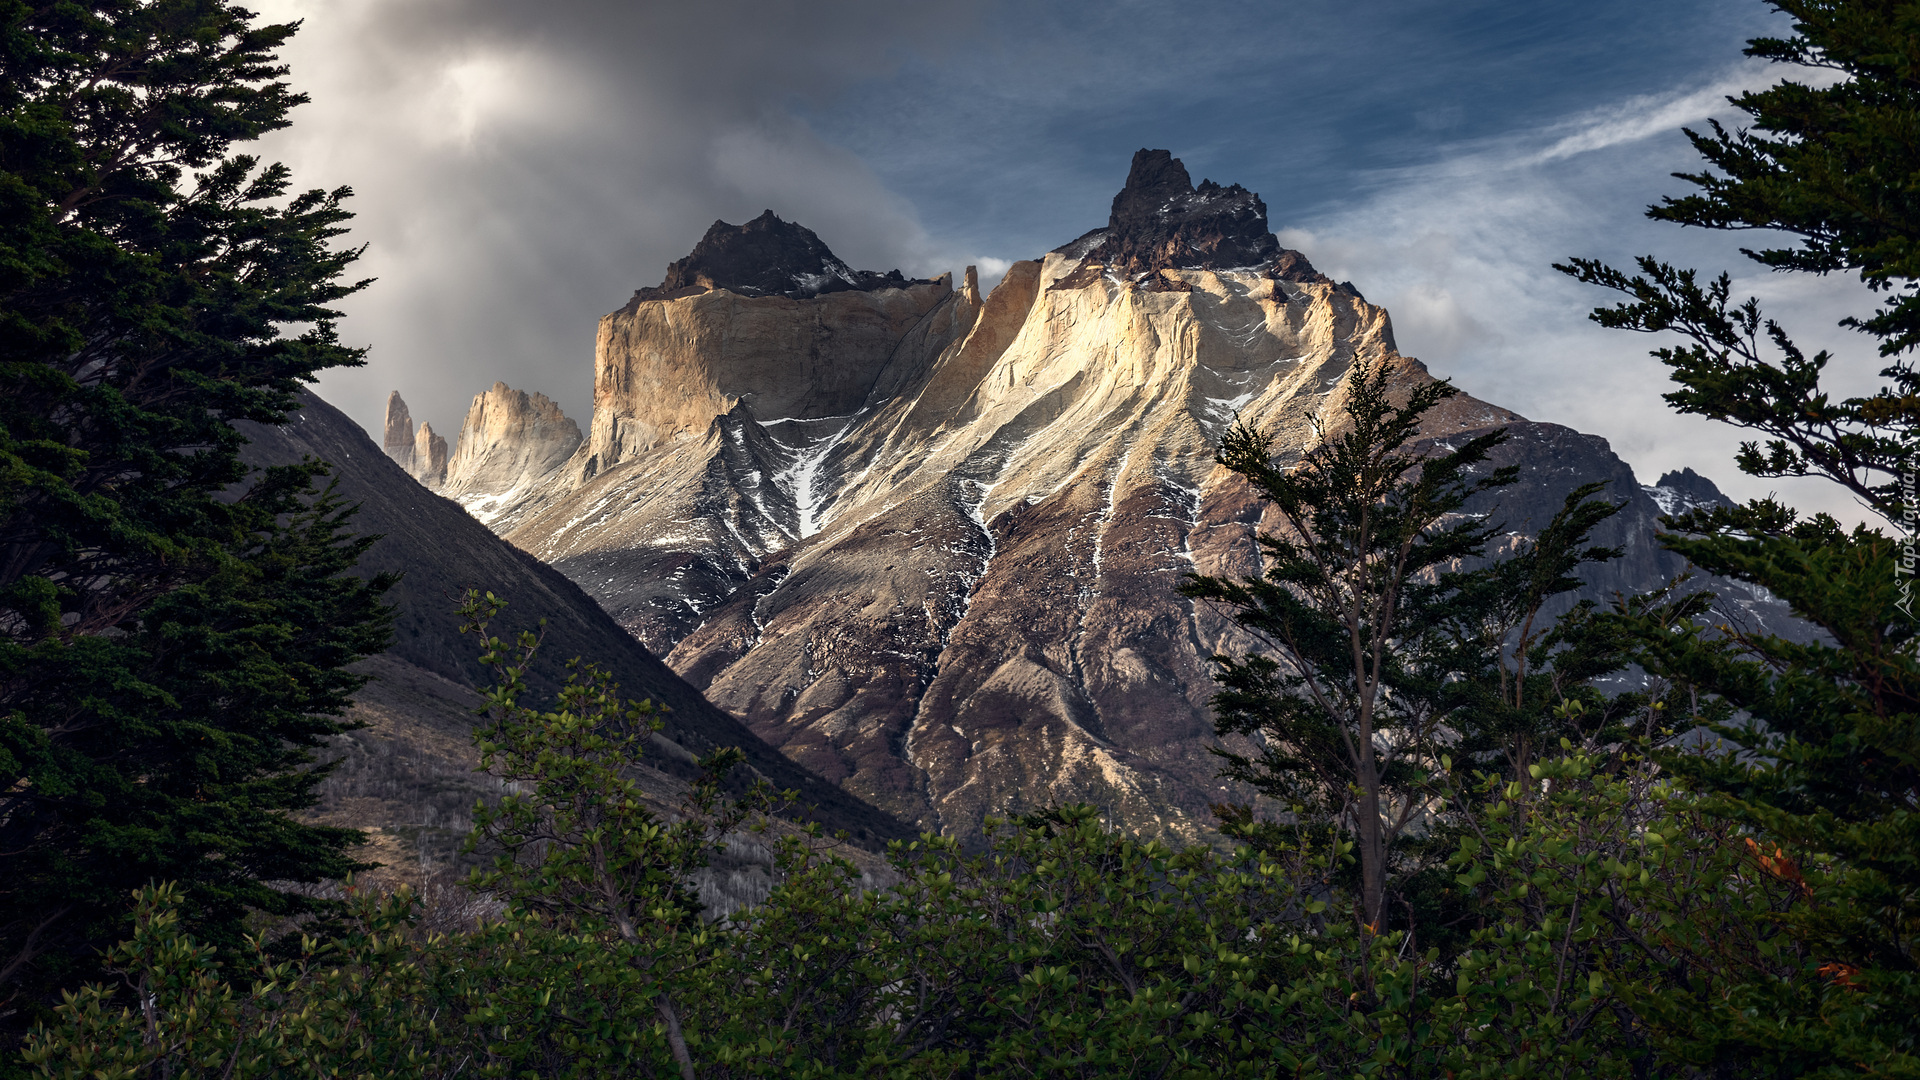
<point x="665" y="369"/>
<point x="928" y="542"/>
<point x="409" y="776"/>
<point x="422" y="453"/>
<point x="398" y="438"/>
<point x="429" y="457"/>
<point x="510" y="440"/>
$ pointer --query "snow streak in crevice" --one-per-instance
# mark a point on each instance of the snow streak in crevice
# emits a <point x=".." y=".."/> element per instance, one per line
<point x="1113" y="507"/>
<point x="809" y="441"/>
<point x="779" y="576"/>
<point x="976" y="513"/>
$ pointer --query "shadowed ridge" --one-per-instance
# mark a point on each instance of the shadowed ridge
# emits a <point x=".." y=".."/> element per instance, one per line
<point x="442" y="551"/>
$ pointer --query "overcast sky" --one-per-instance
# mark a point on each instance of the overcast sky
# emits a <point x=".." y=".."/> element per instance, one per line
<point x="521" y="168"/>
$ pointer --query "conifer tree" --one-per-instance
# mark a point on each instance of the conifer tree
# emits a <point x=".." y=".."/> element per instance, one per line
<point x="1364" y="518"/>
<point x="172" y="632"/>
<point x="1392" y="644"/>
<point x="1823" y="758"/>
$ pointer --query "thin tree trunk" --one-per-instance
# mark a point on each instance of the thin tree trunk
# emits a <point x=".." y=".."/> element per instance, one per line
<point x="29" y="948"/>
<point x="674" y="1038"/>
<point x="1373" y="853"/>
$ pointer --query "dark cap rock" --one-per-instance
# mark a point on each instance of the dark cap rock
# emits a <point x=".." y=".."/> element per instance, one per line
<point x="766" y="257"/>
<point x="1161" y="221"/>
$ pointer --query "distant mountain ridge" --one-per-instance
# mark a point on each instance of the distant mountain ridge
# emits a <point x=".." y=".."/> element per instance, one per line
<point x="928" y="542"/>
<point x="1677" y="492"/>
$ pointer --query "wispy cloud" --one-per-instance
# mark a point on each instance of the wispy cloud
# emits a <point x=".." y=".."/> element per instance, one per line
<point x="1460" y="250"/>
<point x="1647" y="116"/>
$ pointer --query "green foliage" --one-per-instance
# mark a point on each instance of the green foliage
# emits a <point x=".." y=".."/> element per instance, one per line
<point x="1393" y="640"/>
<point x="1364" y="517"/>
<point x="1622" y="933"/>
<point x="1617" y="931"/>
<point x="1632" y="933"/>
<point x="578" y="842"/>
<point x="1742" y="368"/>
<point x="348" y="1005"/>
<point x="1820" y="751"/>
<point x="581" y="853"/>
<point x="172" y="632"/>
<point x="1063" y="950"/>
<point x="1821" y="743"/>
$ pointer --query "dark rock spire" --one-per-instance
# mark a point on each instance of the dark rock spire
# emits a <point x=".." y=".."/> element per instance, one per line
<point x="1160" y="221"/>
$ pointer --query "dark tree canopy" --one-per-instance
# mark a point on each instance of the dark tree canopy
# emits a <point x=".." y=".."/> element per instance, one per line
<point x="1390" y="637"/>
<point x="1833" y="165"/>
<point x="172" y="632"/>
<point x="1823" y="736"/>
<point x="1838" y="167"/>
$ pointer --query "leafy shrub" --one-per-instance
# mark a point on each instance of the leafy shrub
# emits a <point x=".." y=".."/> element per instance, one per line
<point x="1620" y="932"/>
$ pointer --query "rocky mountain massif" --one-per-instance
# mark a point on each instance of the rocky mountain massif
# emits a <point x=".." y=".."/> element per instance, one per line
<point x="927" y="542"/>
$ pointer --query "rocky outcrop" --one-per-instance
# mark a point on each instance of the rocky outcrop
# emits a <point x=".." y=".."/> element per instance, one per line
<point x="1161" y="222"/>
<point x="397" y="439"/>
<point x="929" y="543"/>
<point x="429" y="457"/>
<point x="508" y="444"/>
<point x="1679" y="492"/>
<point x="766" y="257"/>
<point x="421" y="453"/>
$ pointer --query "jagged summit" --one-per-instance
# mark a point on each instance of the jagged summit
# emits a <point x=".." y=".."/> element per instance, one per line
<point x="397" y="439"/>
<point x="1679" y="492"/>
<point x="422" y="453"/>
<point x="1160" y="221"/>
<point x="766" y="257"/>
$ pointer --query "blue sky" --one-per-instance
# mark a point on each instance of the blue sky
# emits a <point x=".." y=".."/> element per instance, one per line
<point x="1315" y="104"/>
<point x="522" y="168"/>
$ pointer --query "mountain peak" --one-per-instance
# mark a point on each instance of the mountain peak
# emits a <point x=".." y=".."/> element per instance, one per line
<point x="765" y="257"/>
<point x="1161" y="221"/>
<point x="1157" y="183"/>
<point x="1679" y="492"/>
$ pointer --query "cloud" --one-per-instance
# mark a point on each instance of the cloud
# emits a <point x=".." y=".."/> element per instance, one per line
<point x="1459" y="251"/>
<point x="1649" y="115"/>
<point x="1645" y="116"/>
<point x="780" y="163"/>
<point x="520" y="168"/>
